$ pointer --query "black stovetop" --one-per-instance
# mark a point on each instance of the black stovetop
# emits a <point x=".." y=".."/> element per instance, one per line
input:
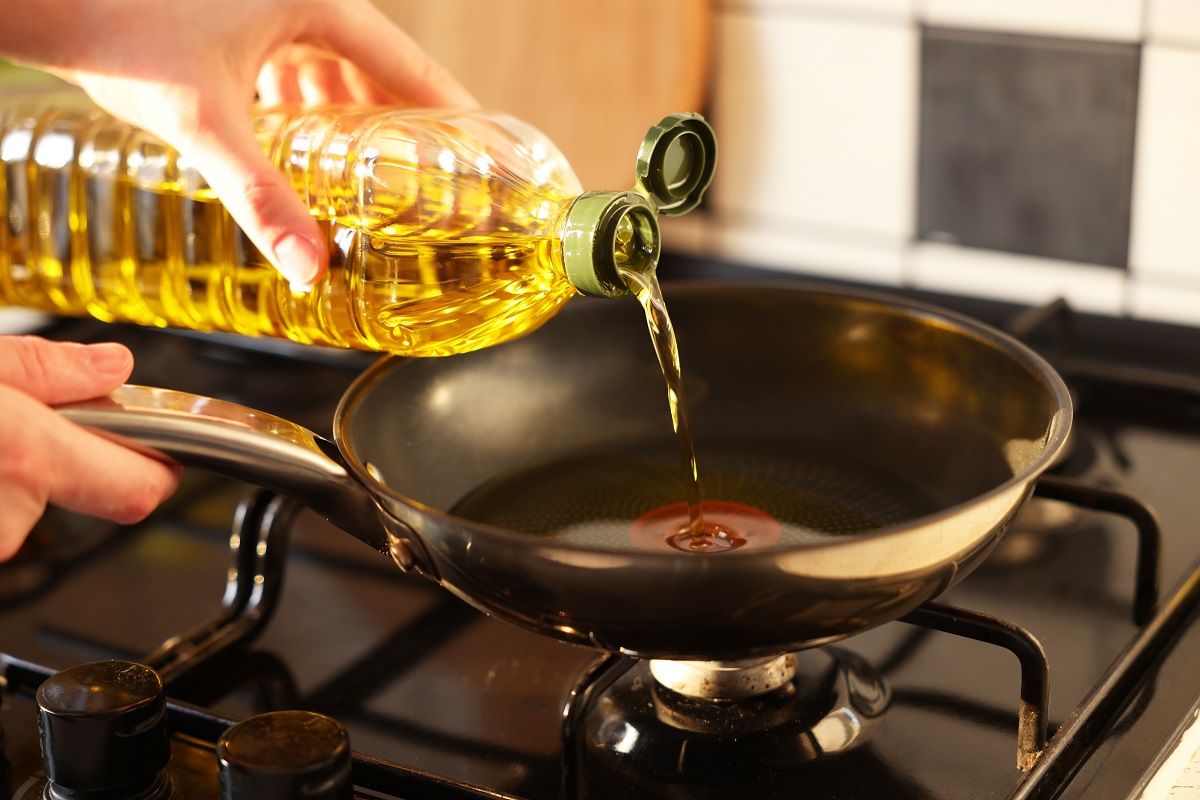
<point x="440" y="701"/>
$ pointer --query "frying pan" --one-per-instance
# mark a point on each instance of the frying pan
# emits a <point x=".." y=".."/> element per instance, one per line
<point x="905" y="439"/>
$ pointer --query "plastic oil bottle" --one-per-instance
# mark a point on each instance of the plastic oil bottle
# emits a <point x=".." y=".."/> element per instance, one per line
<point x="448" y="230"/>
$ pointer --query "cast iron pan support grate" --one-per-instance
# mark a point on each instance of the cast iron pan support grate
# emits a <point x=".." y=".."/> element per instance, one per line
<point x="1034" y="704"/>
<point x="1149" y="532"/>
<point x="1034" y="708"/>
<point x="255" y="580"/>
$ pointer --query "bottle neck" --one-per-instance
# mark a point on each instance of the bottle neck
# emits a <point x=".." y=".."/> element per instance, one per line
<point x="604" y="233"/>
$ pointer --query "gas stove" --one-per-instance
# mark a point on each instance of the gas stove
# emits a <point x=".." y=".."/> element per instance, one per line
<point x="250" y="645"/>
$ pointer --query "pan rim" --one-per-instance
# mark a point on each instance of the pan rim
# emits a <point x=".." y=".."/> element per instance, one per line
<point x="1059" y="426"/>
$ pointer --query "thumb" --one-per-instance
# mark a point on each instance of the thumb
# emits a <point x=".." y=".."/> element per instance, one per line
<point x="261" y="200"/>
<point x="62" y="372"/>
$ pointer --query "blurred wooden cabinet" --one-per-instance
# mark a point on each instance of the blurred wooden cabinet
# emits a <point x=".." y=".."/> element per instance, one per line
<point x="592" y="76"/>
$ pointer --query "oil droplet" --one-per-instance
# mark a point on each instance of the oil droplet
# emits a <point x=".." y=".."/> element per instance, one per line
<point x="724" y="526"/>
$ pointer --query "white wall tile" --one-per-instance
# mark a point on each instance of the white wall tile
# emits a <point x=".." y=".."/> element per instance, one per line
<point x="1119" y="20"/>
<point x="1165" y="301"/>
<point x="794" y="249"/>
<point x="1173" y="21"/>
<point x="1017" y="278"/>
<point x="1165" y="224"/>
<point x="816" y="121"/>
<point x="815" y="106"/>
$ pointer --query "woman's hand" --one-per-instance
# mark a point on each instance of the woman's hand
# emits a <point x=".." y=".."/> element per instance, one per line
<point x="45" y="459"/>
<point x="188" y="73"/>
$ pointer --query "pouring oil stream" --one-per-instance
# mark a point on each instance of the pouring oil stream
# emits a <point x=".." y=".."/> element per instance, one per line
<point x="696" y="535"/>
<point x="648" y="292"/>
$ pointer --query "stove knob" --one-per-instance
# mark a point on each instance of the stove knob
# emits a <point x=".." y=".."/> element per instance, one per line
<point x="104" y="733"/>
<point x="283" y="755"/>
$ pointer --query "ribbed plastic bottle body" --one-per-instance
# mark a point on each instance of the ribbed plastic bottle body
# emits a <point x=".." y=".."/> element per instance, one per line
<point x="441" y="227"/>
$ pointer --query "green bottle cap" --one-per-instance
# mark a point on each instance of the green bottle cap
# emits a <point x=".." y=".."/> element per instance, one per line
<point x="676" y="163"/>
<point x="605" y="231"/>
<point x="602" y="230"/>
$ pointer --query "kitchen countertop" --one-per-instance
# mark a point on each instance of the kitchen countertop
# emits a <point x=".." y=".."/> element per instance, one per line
<point x="1178" y="777"/>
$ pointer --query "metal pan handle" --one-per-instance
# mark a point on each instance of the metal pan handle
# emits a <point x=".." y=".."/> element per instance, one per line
<point x="241" y="443"/>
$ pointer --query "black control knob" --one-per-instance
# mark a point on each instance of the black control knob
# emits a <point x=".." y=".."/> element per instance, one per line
<point x="103" y="727"/>
<point x="283" y="755"/>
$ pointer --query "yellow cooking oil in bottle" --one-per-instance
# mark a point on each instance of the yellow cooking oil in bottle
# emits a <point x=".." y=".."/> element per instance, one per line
<point x="448" y="230"/>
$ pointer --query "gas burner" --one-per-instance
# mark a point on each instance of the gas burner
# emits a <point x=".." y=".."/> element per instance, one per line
<point x="1034" y="535"/>
<point x="725" y="680"/>
<point x="1089" y="456"/>
<point x="723" y="721"/>
<point x="55" y="541"/>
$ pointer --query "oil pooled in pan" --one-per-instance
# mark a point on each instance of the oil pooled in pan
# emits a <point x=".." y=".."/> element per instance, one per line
<point x="631" y="498"/>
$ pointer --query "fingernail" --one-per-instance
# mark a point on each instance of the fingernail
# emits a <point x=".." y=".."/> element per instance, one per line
<point x="298" y="260"/>
<point x="107" y="357"/>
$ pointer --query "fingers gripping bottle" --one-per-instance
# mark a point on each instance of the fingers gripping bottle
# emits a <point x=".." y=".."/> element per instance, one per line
<point x="448" y="230"/>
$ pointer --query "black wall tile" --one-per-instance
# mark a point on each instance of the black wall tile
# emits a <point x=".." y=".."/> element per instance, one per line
<point x="1026" y="144"/>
